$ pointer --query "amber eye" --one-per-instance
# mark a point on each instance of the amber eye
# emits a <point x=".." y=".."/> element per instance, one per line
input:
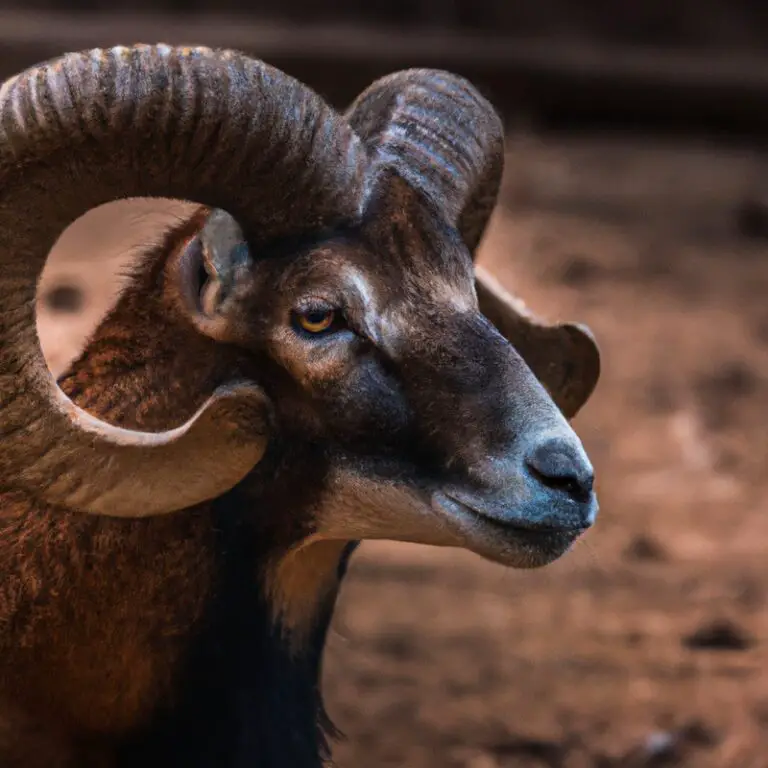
<point x="316" y="320"/>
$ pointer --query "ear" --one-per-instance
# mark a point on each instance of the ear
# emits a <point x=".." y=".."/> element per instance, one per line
<point x="565" y="357"/>
<point x="211" y="273"/>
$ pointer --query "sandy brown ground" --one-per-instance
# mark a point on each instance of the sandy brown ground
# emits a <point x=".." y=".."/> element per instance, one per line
<point x="648" y="644"/>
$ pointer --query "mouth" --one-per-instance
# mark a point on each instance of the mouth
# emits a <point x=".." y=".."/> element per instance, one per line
<point x="516" y="543"/>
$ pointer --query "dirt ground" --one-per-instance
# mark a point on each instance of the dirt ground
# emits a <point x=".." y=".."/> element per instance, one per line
<point x="648" y="644"/>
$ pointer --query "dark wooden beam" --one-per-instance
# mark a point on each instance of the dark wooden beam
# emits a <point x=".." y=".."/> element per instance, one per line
<point x="546" y="81"/>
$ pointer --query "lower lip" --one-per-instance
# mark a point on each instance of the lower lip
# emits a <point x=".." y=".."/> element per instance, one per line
<point x="538" y="537"/>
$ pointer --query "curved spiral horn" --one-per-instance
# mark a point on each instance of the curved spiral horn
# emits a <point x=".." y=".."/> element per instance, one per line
<point x="209" y="126"/>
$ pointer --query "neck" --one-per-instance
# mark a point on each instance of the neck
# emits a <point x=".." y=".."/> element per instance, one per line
<point x="251" y="683"/>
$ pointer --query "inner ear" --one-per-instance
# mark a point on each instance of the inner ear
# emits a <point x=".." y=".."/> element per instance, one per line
<point x="194" y="275"/>
<point x="210" y="272"/>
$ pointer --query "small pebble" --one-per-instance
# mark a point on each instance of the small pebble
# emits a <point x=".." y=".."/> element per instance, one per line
<point x="645" y="548"/>
<point x="719" y="635"/>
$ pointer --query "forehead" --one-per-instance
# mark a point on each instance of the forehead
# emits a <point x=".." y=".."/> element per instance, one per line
<point x="388" y="269"/>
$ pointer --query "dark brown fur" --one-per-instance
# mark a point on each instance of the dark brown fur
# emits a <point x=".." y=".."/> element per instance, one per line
<point x="99" y="615"/>
<point x="165" y="638"/>
<point x="103" y="607"/>
<point x="102" y="616"/>
<point x="195" y="638"/>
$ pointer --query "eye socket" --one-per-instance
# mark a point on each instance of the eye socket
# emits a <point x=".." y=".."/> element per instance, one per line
<point x="317" y="321"/>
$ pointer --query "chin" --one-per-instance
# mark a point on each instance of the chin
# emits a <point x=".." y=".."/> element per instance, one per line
<point x="527" y="555"/>
<point x="520" y="549"/>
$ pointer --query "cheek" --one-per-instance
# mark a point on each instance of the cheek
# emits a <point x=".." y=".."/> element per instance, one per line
<point x="340" y="390"/>
<point x="370" y="402"/>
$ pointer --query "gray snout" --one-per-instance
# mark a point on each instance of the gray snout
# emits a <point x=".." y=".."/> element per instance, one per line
<point x="544" y="484"/>
<point x="528" y="505"/>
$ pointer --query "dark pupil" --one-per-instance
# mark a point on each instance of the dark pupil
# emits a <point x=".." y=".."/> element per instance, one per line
<point x="315" y="318"/>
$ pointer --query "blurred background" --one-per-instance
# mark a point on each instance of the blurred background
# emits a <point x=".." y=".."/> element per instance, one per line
<point x="636" y="201"/>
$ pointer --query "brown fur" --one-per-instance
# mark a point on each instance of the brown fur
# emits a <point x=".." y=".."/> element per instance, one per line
<point x="102" y="607"/>
<point x="195" y="638"/>
<point x="100" y="613"/>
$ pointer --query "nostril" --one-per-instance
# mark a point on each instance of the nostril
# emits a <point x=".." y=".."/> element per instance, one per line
<point x="561" y="466"/>
<point x="569" y="484"/>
